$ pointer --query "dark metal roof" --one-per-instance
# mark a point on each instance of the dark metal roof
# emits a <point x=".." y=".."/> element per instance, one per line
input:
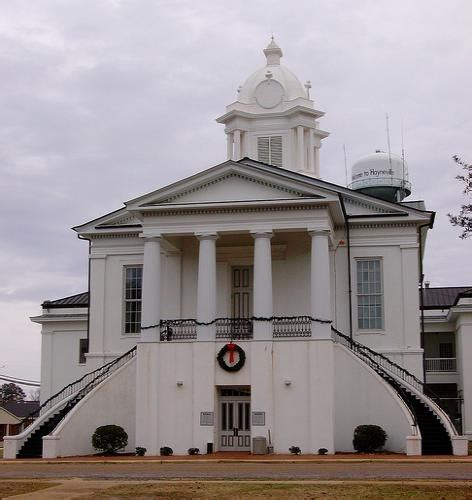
<point x="443" y="297"/>
<point x="78" y="300"/>
<point x="21" y="408"/>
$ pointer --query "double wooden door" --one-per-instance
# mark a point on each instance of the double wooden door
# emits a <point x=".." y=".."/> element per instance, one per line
<point x="235" y="424"/>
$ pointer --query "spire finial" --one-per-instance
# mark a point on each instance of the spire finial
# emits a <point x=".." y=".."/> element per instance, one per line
<point x="273" y="53"/>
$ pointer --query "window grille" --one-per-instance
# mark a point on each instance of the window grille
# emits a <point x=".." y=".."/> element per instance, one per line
<point x="369" y="294"/>
<point x="269" y="150"/>
<point x="132" y="299"/>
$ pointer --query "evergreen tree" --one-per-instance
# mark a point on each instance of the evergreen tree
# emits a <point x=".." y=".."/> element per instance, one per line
<point x="11" y="392"/>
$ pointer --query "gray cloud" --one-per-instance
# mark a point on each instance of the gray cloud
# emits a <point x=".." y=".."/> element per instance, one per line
<point x="105" y="100"/>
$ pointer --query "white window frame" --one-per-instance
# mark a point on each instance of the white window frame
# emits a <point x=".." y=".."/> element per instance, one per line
<point x="376" y="328"/>
<point x="125" y="301"/>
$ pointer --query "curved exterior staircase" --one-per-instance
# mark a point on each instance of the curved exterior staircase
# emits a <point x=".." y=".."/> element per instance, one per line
<point x="436" y="440"/>
<point x="72" y="394"/>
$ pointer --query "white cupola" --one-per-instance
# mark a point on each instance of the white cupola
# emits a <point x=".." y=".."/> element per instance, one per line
<point x="273" y="119"/>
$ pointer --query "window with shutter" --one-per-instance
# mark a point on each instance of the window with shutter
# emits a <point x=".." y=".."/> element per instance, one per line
<point x="269" y="150"/>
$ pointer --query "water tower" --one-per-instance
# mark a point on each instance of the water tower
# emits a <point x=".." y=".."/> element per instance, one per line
<point x="382" y="175"/>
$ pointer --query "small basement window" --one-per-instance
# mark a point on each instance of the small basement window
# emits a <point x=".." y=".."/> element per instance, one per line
<point x="83" y="350"/>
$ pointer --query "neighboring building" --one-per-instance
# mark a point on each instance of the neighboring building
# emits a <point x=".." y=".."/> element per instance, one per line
<point x="14" y="416"/>
<point x="263" y="301"/>
<point x="447" y="315"/>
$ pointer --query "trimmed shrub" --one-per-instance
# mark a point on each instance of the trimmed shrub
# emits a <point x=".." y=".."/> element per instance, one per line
<point x="109" y="439"/>
<point x="194" y="451"/>
<point x="322" y="451"/>
<point x="368" y="438"/>
<point x="140" y="451"/>
<point x="294" y="450"/>
<point x="166" y="451"/>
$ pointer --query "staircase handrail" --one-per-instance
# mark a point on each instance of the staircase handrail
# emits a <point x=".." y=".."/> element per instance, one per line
<point x="398" y="371"/>
<point x="84" y="383"/>
<point x="401" y="372"/>
<point x="377" y="367"/>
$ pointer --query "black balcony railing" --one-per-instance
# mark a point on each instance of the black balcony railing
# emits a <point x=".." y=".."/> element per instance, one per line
<point x="234" y="329"/>
<point x="178" y="329"/>
<point x="298" y="326"/>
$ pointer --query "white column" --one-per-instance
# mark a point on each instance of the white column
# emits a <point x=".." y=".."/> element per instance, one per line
<point x="311" y="152"/>
<point x="300" y="149"/>
<point x="262" y="288"/>
<point x="206" y="290"/>
<point x="320" y="283"/>
<point x="229" y="146"/>
<point x="237" y="145"/>
<point x="151" y="314"/>
<point x="317" y="161"/>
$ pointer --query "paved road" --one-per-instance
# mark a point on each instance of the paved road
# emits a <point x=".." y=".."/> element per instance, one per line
<point x="275" y="471"/>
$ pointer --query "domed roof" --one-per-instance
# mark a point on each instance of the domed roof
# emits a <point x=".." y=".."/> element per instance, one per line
<point x="379" y="159"/>
<point x="273" y="73"/>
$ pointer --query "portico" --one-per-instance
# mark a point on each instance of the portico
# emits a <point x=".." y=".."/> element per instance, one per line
<point x="272" y="258"/>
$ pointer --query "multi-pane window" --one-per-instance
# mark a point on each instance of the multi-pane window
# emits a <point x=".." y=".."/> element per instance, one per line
<point x="132" y="298"/>
<point x="269" y="150"/>
<point x="369" y="294"/>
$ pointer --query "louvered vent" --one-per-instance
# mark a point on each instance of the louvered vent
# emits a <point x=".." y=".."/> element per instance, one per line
<point x="269" y="150"/>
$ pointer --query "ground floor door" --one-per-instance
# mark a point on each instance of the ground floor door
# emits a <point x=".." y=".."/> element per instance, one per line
<point x="234" y="420"/>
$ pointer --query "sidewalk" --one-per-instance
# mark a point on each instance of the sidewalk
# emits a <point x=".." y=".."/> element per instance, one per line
<point x="244" y="457"/>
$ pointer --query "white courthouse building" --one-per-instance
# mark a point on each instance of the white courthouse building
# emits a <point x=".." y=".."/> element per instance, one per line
<point x="255" y="299"/>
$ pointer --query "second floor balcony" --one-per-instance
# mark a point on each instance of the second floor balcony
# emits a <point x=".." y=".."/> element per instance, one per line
<point x="440" y="364"/>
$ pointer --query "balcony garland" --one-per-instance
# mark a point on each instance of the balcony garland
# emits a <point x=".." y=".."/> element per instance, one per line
<point x="177" y="322"/>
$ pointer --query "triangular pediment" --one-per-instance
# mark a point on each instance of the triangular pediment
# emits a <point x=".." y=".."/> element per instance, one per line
<point x="234" y="186"/>
<point x="230" y="182"/>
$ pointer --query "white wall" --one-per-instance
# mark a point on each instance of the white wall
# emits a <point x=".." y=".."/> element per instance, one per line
<point x="317" y="408"/>
<point x="362" y="397"/>
<point x="113" y="402"/>
<point x="464" y="348"/>
<point x="60" y="355"/>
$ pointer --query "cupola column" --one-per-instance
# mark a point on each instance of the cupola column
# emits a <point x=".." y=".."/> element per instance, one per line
<point x="237" y="145"/>
<point x="262" y="284"/>
<point x="206" y="289"/>
<point x="151" y="290"/>
<point x="311" y="152"/>
<point x="229" y="146"/>
<point x="320" y="283"/>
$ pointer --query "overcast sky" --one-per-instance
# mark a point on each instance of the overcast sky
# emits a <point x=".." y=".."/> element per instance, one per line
<point x="102" y="101"/>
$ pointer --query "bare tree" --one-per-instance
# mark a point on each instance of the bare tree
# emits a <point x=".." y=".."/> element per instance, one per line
<point x="464" y="218"/>
<point x="34" y="395"/>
